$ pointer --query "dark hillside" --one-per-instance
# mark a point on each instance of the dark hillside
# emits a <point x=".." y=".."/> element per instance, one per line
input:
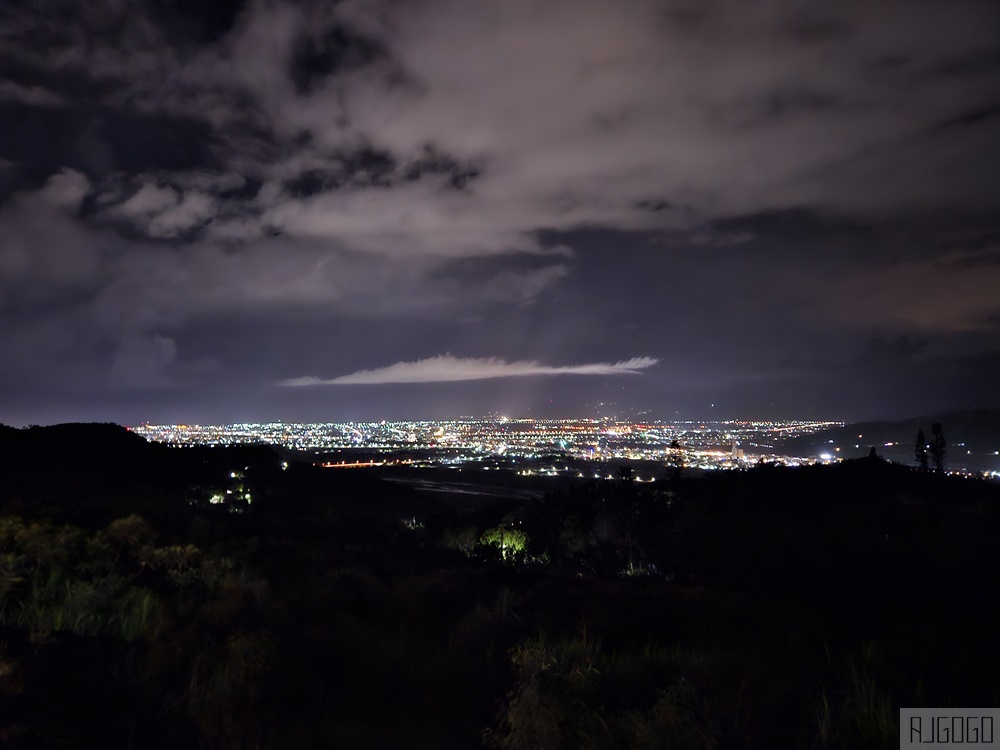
<point x="973" y="437"/>
<point x="211" y="597"/>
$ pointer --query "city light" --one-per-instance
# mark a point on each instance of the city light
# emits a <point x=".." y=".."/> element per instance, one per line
<point x="708" y="445"/>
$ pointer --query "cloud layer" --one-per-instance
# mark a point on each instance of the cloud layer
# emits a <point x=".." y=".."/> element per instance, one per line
<point x="197" y="194"/>
<point x="444" y="128"/>
<point x="446" y="368"/>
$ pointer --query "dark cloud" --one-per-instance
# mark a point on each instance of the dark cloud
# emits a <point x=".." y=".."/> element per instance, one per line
<point x="881" y="353"/>
<point x="186" y="23"/>
<point x="791" y="206"/>
<point x="331" y="51"/>
<point x="100" y="141"/>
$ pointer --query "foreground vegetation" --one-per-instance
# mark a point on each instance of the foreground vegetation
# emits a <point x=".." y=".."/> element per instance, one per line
<point x="163" y="598"/>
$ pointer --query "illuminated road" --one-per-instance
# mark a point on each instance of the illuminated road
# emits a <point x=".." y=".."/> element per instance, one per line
<point x="364" y="464"/>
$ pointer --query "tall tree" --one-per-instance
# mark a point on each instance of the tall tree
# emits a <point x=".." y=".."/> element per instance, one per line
<point x="938" y="447"/>
<point x="675" y="460"/>
<point x="920" y="450"/>
<point x="626" y="475"/>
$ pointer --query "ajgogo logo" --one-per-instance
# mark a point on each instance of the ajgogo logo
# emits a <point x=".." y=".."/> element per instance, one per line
<point x="947" y="727"/>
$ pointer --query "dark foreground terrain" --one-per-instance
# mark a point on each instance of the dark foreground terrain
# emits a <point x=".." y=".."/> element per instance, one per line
<point x="206" y="597"/>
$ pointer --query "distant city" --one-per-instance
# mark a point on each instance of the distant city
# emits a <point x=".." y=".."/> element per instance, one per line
<point x="564" y="446"/>
<point x="705" y="445"/>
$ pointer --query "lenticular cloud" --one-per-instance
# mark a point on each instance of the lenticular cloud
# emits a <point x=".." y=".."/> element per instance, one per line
<point x="446" y="368"/>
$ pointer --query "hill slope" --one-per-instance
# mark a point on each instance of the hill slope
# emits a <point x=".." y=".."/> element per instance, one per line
<point x="973" y="439"/>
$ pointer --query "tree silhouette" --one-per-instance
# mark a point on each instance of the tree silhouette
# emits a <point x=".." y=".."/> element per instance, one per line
<point x="920" y="450"/>
<point x="938" y="447"/>
<point x="626" y="474"/>
<point x="675" y="461"/>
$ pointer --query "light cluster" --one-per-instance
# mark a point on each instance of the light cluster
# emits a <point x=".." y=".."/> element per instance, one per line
<point x="705" y="444"/>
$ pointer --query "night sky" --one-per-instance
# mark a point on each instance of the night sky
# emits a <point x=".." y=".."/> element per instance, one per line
<point x="426" y="208"/>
